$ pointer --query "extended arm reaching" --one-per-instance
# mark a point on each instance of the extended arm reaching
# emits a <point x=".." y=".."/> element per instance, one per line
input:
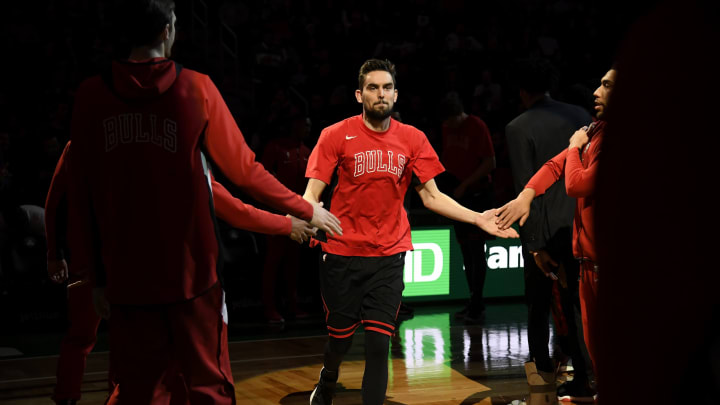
<point x="439" y="203"/>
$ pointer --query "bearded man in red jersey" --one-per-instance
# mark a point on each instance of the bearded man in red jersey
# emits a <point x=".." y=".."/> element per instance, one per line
<point x="373" y="159"/>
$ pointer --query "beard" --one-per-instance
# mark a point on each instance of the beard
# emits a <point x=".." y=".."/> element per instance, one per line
<point x="376" y="115"/>
<point x="600" y="114"/>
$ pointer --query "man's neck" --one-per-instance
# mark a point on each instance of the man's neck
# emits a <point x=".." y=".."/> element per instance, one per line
<point x="376" y="125"/>
<point x="145" y="53"/>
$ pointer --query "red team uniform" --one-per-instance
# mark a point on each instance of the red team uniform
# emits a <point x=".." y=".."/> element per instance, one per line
<point x="141" y="204"/>
<point x="374" y="171"/>
<point x="580" y="170"/>
<point x="83" y="321"/>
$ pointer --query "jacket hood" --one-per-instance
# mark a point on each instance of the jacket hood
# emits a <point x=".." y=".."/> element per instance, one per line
<point x="143" y="79"/>
<point x="596" y="127"/>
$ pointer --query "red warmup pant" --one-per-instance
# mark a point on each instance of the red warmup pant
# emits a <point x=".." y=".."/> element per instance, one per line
<point x="150" y="343"/>
<point x="588" y="305"/>
<point x="77" y="343"/>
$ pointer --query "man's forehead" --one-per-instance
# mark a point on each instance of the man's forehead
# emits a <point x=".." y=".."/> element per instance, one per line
<point x="378" y="77"/>
<point x="609" y="76"/>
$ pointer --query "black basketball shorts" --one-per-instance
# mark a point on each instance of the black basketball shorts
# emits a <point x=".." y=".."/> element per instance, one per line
<point x="361" y="290"/>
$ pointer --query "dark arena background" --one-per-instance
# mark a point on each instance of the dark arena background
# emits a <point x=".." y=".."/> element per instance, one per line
<point x="280" y="62"/>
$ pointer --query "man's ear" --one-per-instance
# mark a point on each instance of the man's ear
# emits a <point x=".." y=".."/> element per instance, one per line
<point x="165" y="33"/>
<point x="358" y="96"/>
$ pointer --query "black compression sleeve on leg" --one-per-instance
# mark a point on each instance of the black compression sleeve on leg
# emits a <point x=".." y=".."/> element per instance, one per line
<point x="375" y="378"/>
<point x="335" y="350"/>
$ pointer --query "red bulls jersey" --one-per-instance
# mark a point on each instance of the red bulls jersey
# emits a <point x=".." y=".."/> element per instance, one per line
<point x="374" y="171"/>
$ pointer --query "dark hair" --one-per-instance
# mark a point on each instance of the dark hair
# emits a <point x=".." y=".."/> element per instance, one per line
<point x="451" y="106"/>
<point x="372" y="65"/>
<point x="535" y="75"/>
<point x="141" y="21"/>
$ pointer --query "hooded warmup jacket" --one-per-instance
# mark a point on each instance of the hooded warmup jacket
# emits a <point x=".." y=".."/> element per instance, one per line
<point x="140" y="198"/>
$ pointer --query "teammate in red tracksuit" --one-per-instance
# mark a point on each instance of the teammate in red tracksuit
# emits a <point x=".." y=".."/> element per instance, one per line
<point x="579" y="164"/>
<point x="141" y="212"/>
<point x="83" y="320"/>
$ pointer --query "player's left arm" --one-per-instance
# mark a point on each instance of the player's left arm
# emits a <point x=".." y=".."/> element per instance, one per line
<point x="440" y="203"/>
<point x="580" y="181"/>
<point x="229" y="151"/>
<point x="244" y="216"/>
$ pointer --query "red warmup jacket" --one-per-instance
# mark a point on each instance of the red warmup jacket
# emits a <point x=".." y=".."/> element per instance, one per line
<point x="140" y="204"/>
<point x="580" y="170"/>
<point x="228" y="208"/>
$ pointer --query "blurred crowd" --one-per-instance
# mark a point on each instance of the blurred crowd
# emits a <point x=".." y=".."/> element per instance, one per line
<point x="283" y="67"/>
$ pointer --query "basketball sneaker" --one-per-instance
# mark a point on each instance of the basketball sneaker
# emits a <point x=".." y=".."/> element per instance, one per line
<point x="324" y="390"/>
<point x="576" y="391"/>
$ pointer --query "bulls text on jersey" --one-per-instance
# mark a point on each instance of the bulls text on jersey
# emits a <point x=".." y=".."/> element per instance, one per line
<point x="372" y="161"/>
<point x="140" y="128"/>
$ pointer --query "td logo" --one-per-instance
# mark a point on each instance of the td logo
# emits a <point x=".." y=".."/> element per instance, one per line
<point x="427" y="267"/>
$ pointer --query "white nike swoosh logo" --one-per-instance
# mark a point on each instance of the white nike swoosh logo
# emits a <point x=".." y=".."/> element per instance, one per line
<point x="350" y="137"/>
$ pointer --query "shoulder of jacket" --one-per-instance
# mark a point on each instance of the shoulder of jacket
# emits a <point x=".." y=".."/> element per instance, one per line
<point x="193" y="76"/>
<point x="90" y="83"/>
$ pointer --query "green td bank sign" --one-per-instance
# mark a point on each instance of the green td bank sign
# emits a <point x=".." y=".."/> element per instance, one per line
<point x="434" y="269"/>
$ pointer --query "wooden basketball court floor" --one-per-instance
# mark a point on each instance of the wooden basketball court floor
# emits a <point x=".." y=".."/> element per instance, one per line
<point x="434" y="359"/>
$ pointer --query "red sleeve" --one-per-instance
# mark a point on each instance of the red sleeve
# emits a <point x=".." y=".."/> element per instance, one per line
<point x="56" y="193"/>
<point x="580" y="181"/>
<point x="427" y="165"/>
<point x="244" y="216"/>
<point x="228" y="149"/>
<point x="323" y="158"/>
<point x="548" y="174"/>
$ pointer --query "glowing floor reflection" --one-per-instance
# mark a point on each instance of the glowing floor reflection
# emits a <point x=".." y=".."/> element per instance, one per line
<point x="432" y="340"/>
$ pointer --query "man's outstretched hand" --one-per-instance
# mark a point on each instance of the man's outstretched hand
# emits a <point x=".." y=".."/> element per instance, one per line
<point x="486" y="222"/>
<point x="324" y="220"/>
<point x="301" y="230"/>
<point x="518" y="208"/>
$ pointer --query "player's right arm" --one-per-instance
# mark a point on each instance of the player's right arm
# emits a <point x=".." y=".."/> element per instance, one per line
<point x="56" y="265"/>
<point x="83" y="238"/>
<point x="322" y="164"/>
<point x="313" y="191"/>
